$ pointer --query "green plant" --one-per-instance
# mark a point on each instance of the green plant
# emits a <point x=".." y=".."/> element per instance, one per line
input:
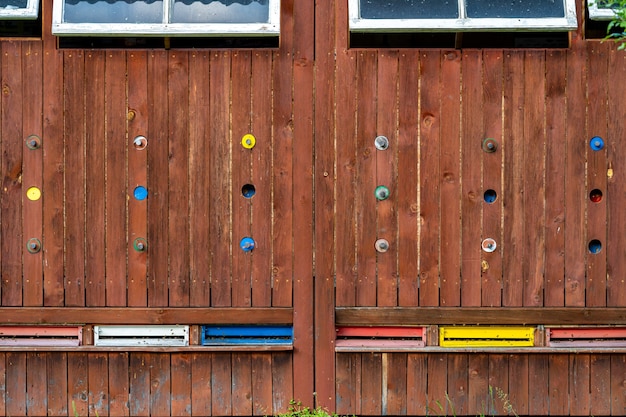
<point x="616" y="30"/>
<point x="495" y="395"/>
<point x="296" y="409"/>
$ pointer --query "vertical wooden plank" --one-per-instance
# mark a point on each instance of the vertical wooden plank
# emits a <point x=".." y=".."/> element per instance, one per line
<point x="220" y="186"/>
<point x="199" y="148"/>
<point x="261" y="384"/>
<point x="221" y="388"/>
<point x="478" y="385"/>
<point x="491" y="285"/>
<point x="242" y="175"/>
<point x="396" y="384"/>
<point x="158" y="181"/>
<point x="116" y="169"/>
<point x="53" y="175"/>
<point x="36" y="385"/>
<point x="518" y="390"/>
<point x="579" y="385"/>
<point x="499" y="381"/>
<point x="346" y="154"/>
<point x="512" y="198"/>
<point x="32" y="172"/>
<point x="242" y="384"/>
<point x="437" y="381"/>
<point x="458" y="380"/>
<point x="178" y="232"/>
<point x="95" y="185"/>
<point x="575" y="200"/>
<point x="616" y="240"/>
<point x="408" y="179"/>
<point x="417" y="378"/>
<point x="534" y="178"/>
<point x="74" y="150"/>
<point x="347" y="366"/>
<point x="181" y="384"/>
<point x="11" y="242"/>
<point x="371" y="384"/>
<point x="282" y="172"/>
<point x="429" y="174"/>
<point x="78" y="383"/>
<point x="303" y="287"/>
<point x="137" y="175"/>
<point x="618" y="388"/>
<point x="539" y="394"/>
<point x="387" y="174"/>
<point x="262" y="272"/>
<point x="140" y="364"/>
<point x="119" y="383"/>
<point x="201" y="392"/>
<point x="98" y="384"/>
<point x="556" y="104"/>
<point x="57" y="382"/>
<point x="3" y="384"/>
<point x="366" y="173"/>
<point x="559" y="384"/>
<point x="471" y="167"/>
<point x="15" y="384"/>
<point x="282" y="381"/>
<point x="160" y="384"/>
<point x="450" y="233"/>
<point x="600" y="384"/>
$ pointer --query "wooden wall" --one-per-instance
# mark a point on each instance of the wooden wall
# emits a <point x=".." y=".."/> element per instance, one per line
<point x="315" y="106"/>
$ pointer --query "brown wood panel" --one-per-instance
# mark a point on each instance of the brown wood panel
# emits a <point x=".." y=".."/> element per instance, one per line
<point x="499" y="381"/>
<point x="36" y="385"/>
<point x="242" y="384"/>
<point x="478" y="385"/>
<point x="458" y="380"/>
<point x="408" y="180"/>
<point x="600" y="383"/>
<point x="261" y="384"/>
<point x="199" y="107"/>
<point x="616" y="241"/>
<point x="116" y="193"/>
<point x="201" y="391"/>
<point x="450" y="200"/>
<point x="98" y="383"/>
<point x="371" y="383"/>
<point x="575" y="201"/>
<point x="221" y="390"/>
<point x="95" y="185"/>
<point x="15" y="398"/>
<point x="242" y="175"/>
<point x="138" y="175"/>
<point x="160" y="384"/>
<point x="178" y="186"/>
<point x="74" y="170"/>
<point x="78" y="384"/>
<point x="437" y="380"/>
<point x="57" y="381"/>
<point x="262" y="270"/>
<point x="387" y="174"/>
<point x="518" y="390"/>
<point x="3" y="384"/>
<point x="366" y="174"/>
<point x="471" y="167"/>
<point x="597" y="61"/>
<point x="618" y="390"/>
<point x="579" y="385"/>
<point x="219" y="181"/>
<point x="181" y="384"/>
<point x="491" y="277"/>
<point x="395" y="380"/>
<point x="558" y="381"/>
<point x="556" y="105"/>
<point x="429" y="173"/>
<point x="140" y="383"/>
<point x="539" y="393"/>
<point x="417" y="397"/>
<point x="513" y="161"/>
<point x="157" y="201"/>
<point x="11" y="241"/>
<point x="282" y="381"/>
<point x="347" y="372"/>
<point x="32" y="172"/>
<point x="119" y="383"/>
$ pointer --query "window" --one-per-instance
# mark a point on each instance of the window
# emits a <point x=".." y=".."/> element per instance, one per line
<point x="461" y="15"/>
<point x="600" y="10"/>
<point x="19" y="9"/>
<point x="183" y="18"/>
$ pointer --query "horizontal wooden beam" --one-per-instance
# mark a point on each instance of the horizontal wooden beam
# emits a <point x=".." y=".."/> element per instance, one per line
<point x="398" y="316"/>
<point x="118" y="315"/>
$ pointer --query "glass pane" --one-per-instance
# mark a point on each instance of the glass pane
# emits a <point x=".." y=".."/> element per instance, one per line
<point x="116" y="11"/>
<point x="13" y="4"/>
<point x="409" y="9"/>
<point x="221" y="11"/>
<point x="515" y="8"/>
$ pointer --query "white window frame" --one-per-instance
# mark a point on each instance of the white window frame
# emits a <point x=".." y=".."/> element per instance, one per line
<point x="270" y="28"/>
<point x="30" y="12"/>
<point x="599" y="13"/>
<point x="463" y="23"/>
